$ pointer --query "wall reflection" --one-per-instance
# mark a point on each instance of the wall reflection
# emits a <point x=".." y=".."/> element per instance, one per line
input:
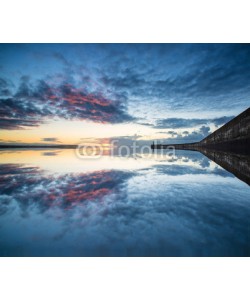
<point x="236" y="163"/>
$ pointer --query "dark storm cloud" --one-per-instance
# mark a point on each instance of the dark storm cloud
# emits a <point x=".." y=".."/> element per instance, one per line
<point x="32" y="104"/>
<point x="187" y="123"/>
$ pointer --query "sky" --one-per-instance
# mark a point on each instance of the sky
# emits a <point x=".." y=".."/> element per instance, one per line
<point x="71" y="93"/>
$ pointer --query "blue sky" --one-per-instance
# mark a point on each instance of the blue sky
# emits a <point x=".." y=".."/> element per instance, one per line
<point x="172" y="92"/>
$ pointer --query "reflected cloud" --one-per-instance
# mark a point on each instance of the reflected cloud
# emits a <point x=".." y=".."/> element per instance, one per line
<point x="31" y="187"/>
<point x="50" y="153"/>
<point x="177" y="170"/>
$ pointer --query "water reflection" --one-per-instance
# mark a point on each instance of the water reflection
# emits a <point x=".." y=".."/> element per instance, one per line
<point x="31" y="187"/>
<point x="50" y="153"/>
<point x="58" y="205"/>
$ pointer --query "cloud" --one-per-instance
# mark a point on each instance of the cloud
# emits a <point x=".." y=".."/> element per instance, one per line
<point x="145" y="124"/>
<point x="61" y="58"/>
<point x="5" y="87"/>
<point x="189" y="77"/>
<point x="186" y="136"/>
<point x="189" y="123"/>
<point x="205" y="130"/>
<point x="51" y="139"/>
<point x="18" y="123"/>
<point x="33" y="104"/>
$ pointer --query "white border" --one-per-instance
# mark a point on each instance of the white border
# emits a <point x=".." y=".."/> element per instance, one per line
<point x="124" y="21"/>
<point x="123" y="278"/>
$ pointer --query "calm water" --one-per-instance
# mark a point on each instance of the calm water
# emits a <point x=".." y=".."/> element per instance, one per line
<point x="55" y="204"/>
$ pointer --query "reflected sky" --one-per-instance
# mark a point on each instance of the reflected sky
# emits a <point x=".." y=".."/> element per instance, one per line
<point x="55" y="204"/>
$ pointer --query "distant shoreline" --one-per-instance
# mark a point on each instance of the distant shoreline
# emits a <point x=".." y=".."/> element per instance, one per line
<point x="38" y="147"/>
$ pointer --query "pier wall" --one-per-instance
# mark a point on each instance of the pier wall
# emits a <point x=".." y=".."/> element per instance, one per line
<point x="233" y="136"/>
